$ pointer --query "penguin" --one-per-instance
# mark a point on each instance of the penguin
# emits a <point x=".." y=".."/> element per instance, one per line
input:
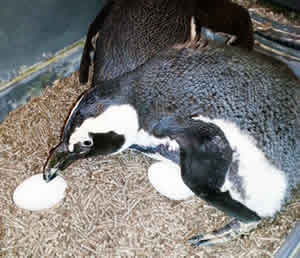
<point x="126" y="33"/>
<point x="221" y="121"/>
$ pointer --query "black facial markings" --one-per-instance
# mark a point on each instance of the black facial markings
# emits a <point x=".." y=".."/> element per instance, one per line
<point x="72" y="119"/>
<point x="61" y="158"/>
<point x="92" y="103"/>
<point x="87" y="143"/>
<point x="106" y="143"/>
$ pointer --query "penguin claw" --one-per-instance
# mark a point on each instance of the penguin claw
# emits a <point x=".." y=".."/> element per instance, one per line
<point x="209" y="242"/>
<point x="195" y="239"/>
<point x="227" y="233"/>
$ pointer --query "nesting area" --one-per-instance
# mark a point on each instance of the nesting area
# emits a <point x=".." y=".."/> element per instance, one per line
<point x="110" y="208"/>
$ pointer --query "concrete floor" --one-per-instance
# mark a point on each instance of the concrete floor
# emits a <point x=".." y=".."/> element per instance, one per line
<point x="32" y="30"/>
<point x="292" y="4"/>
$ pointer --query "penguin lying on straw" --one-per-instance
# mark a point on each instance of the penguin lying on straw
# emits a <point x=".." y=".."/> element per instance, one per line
<point x="126" y="33"/>
<point x="222" y="121"/>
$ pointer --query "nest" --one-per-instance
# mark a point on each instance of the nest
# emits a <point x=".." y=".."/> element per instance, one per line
<point x="110" y="208"/>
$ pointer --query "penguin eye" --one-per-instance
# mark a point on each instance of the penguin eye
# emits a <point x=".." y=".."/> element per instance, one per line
<point x="87" y="143"/>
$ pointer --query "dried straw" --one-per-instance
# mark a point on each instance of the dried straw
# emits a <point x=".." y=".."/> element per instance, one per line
<point x="110" y="209"/>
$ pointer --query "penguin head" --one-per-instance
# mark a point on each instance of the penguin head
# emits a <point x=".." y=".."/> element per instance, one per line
<point x="96" y="126"/>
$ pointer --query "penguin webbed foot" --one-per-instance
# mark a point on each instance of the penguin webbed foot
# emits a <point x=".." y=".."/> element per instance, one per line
<point x="224" y="234"/>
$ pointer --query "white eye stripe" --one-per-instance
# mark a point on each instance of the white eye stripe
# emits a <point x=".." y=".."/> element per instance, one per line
<point x="80" y="139"/>
<point x="121" y="119"/>
<point x="74" y="108"/>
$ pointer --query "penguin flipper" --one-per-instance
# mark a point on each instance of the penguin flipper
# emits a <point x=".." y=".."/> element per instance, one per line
<point x="94" y="28"/>
<point x="205" y="157"/>
<point x="230" y="231"/>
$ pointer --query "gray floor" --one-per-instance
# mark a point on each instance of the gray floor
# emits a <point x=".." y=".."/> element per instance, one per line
<point x="31" y="30"/>
<point x="292" y="4"/>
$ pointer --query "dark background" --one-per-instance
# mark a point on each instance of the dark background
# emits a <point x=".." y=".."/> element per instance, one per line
<point x="292" y="4"/>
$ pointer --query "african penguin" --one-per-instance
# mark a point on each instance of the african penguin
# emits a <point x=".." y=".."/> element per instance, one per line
<point x="126" y="33"/>
<point x="224" y="126"/>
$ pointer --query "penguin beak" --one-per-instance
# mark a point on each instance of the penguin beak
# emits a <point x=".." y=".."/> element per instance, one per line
<point x="59" y="159"/>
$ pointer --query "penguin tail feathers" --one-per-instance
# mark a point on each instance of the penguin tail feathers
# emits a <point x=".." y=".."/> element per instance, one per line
<point x="88" y="48"/>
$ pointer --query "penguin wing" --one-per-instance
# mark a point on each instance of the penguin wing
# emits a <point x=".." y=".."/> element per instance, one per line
<point x="205" y="158"/>
<point x="94" y="28"/>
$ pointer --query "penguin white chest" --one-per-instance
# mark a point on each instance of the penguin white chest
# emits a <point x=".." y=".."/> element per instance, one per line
<point x="250" y="172"/>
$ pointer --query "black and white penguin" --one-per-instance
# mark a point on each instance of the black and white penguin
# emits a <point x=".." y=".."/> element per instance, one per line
<point x="126" y="33"/>
<point x="225" y="129"/>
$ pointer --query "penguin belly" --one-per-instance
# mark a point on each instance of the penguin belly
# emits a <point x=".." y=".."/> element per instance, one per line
<point x="251" y="179"/>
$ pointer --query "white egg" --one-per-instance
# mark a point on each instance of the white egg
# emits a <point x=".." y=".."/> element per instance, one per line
<point x="35" y="194"/>
<point x="166" y="178"/>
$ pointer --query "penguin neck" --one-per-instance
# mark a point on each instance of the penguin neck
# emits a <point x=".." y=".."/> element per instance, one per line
<point x="130" y="89"/>
<point x="127" y="90"/>
<point x="134" y="108"/>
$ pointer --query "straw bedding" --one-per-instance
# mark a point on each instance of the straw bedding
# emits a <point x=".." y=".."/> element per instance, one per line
<point x="110" y="209"/>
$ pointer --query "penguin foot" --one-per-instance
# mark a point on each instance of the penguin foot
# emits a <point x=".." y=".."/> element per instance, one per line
<point x="202" y="43"/>
<point x="192" y="44"/>
<point x="231" y="40"/>
<point x="227" y="233"/>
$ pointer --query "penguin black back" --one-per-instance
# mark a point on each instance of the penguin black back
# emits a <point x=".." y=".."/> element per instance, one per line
<point x="130" y="32"/>
<point x="257" y="93"/>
